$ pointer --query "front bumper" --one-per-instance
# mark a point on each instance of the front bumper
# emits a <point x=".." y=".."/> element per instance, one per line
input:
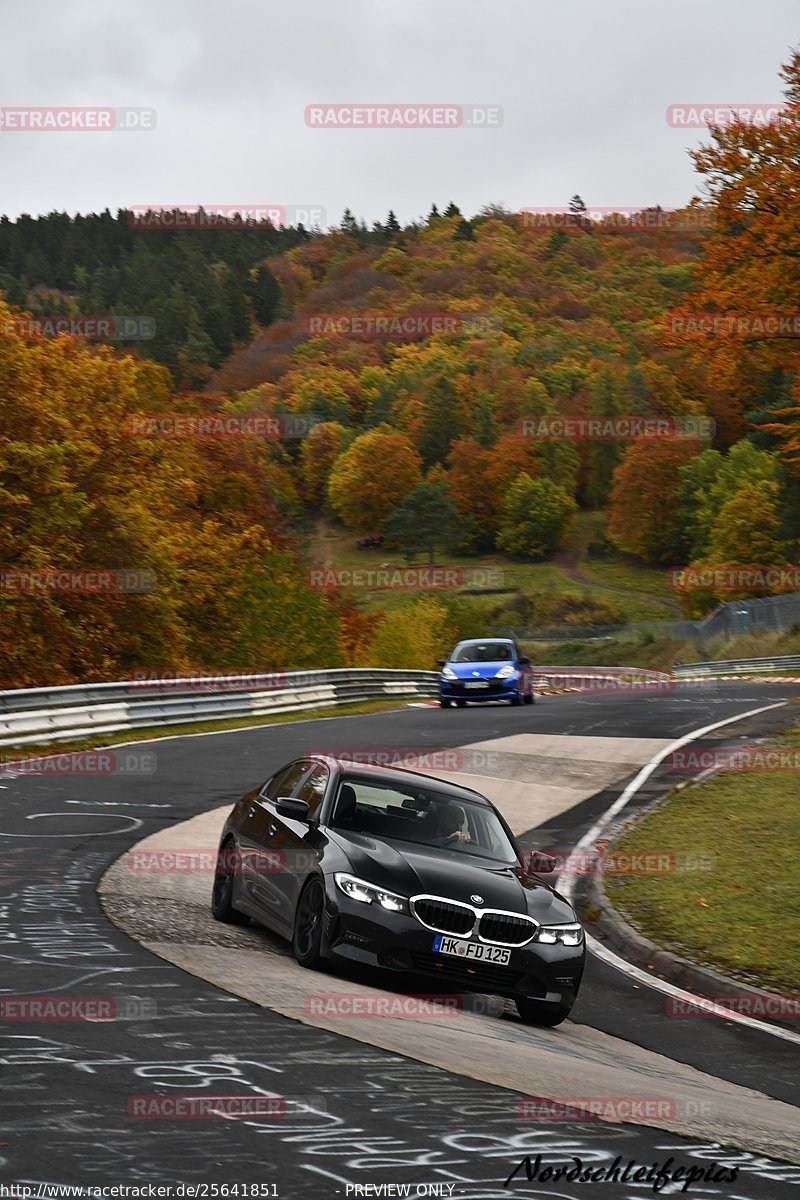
<point x="376" y="937"/>
<point x="498" y="689"/>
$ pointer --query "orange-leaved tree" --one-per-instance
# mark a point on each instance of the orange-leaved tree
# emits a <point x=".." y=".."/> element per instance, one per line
<point x="372" y="476"/>
<point x="644" y="515"/>
<point x="747" y="281"/>
<point x="82" y="489"/>
<point x="319" y="451"/>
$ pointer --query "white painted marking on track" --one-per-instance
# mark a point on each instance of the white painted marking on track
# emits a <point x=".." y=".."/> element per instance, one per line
<point x="137" y="823"/>
<point x="115" y="804"/>
<point x="670" y="989"/>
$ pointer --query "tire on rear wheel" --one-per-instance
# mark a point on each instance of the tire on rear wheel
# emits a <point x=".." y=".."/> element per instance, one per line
<point x="222" y="892"/>
<point x="461" y="704"/>
<point x="444" y="704"/>
<point x="537" y="1012"/>
<point x="516" y="700"/>
<point x="308" y="920"/>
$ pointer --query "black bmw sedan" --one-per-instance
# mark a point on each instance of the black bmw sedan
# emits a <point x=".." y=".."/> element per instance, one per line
<point x="394" y="869"/>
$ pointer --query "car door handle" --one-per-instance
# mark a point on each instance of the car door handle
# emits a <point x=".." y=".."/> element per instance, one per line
<point x="252" y="810"/>
<point x="272" y="830"/>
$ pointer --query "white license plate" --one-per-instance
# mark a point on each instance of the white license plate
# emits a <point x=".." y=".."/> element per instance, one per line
<point x="479" y="683"/>
<point x="474" y="950"/>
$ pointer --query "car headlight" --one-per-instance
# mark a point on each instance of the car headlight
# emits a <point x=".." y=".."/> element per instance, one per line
<point x="506" y="672"/>
<point x="568" y="935"/>
<point x="368" y="893"/>
<point x="447" y="673"/>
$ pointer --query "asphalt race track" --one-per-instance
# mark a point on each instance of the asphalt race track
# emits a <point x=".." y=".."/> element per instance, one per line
<point x="353" y="1117"/>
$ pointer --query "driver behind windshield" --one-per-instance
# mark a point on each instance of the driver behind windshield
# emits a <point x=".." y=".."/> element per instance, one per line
<point x="451" y="825"/>
<point x="485" y="652"/>
<point x="372" y="808"/>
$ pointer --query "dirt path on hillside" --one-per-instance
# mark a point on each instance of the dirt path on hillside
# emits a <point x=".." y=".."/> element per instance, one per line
<point x="569" y="564"/>
<point x="324" y="540"/>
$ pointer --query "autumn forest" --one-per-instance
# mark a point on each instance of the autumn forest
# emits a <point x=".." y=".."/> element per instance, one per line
<point x="409" y="371"/>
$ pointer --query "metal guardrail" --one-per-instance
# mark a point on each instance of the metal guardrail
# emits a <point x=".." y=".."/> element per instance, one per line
<point x="740" y="666"/>
<point x="45" y="715"/>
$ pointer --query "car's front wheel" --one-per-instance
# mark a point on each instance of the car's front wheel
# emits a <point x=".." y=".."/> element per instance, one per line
<point x="308" y="919"/>
<point x="444" y="704"/>
<point x="222" y="891"/>
<point x="537" y="1012"/>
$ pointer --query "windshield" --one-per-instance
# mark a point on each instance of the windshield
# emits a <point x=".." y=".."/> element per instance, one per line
<point x="420" y="815"/>
<point x="482" y="652"/>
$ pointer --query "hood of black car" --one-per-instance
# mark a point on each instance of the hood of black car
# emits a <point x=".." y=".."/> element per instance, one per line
<point x="413" y="870"/>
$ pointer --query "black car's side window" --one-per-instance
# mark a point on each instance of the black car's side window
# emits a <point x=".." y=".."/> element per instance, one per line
<point x="284" y="782"/>
<point x="313" y="789"/>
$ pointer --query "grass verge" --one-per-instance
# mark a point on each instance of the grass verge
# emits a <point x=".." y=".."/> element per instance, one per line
<point x="616" y="572"/>
<point x="758" y="645"/>
<point x="654" y="654"/>
<point x="739" y="918"/>
<point x="503" y="576"/>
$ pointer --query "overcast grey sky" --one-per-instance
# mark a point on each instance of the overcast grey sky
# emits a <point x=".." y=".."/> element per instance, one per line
<point x="584" y="86"/>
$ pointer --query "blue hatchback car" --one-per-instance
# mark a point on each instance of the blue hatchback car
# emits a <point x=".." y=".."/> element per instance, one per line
<point x="481" y="669"/>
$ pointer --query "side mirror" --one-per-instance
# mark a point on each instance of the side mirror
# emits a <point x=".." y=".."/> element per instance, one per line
<point x="295" y="810"/>
<point x="524" y="662"/>
<point x="541" y="863"/>
<point x="442" y="662"/>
